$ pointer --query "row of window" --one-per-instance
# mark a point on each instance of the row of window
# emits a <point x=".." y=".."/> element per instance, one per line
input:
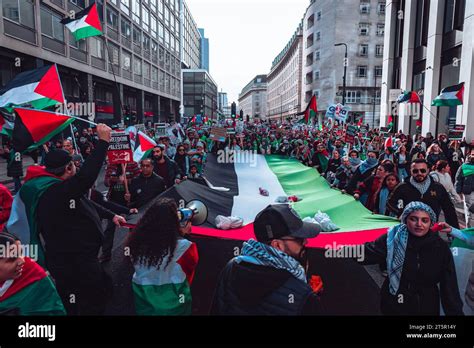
<point x="364" y="29"/>
<point x="363" y="52"/>
<point x="365" y="7"/>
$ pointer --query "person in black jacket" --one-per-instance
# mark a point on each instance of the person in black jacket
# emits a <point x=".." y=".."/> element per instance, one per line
<point x="420" y="187"/>
<point x="269" y="270"/>
<point x="165" y="167"/>
<point x="71" y="227"/>
<point x="419" y="264"/>
<point x="146" y="186"/>
<point x="363" y="171"/>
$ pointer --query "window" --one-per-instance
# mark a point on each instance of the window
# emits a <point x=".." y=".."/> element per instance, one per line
<point x="112" y="18"/>
<point x="50" y="24"/>
<point x="363" y="50"/>
<point x="318" y="15"/>
<point x="378" y="71"/>
<point x="381" y="8"/>
<point x="136" y="11"/>
<point x="167" y="16"/>
<point x="146" y="42"/>
<point x="310" y="22"/>
<point x="154" y="48"/>
<point x="97" y="47"/>
<point x="125" y="6"/>
<point x="317" y="55"/>
<point x="80" y="45"/>
<point x="167" y="38"/>
<point x="353" y="97"/>
<point x="115" y="54"/>
<point x="137" y="66"/>
<point x="161" y="32"/>
<point x="160" y="6"/>
<point x="20" y="11"/>
<point x="364" y="29"/>
<point x="126" y="29"/>
<point x="153" y="27"/>
<point x="153" y="5"/>
<point x="80" y="3"/>
<point x="126" y="61"/>
<point x="145" y="19"/>
<point x="317" y="75"/>
<point x="137" y="35"/>
<point x="309" y="41"/>
<point x="365" y="8"/>
<point x="154" y="74"/>
<point x="362" y="71"/>
<point x="146" y="70"/>
<point x="380" y="29"/>
<point x="379" y="50"/>
<point x="318" y="36"/>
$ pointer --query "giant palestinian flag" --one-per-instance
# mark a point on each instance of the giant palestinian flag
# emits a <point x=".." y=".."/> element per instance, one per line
<point x="39" y="88"/>
<point x="33" y="128"/>
<point x="166" y="291"/>
<point x="33" y="293"/>
<point x="23" y="221"/>
<point x="233" y="190"/>
<point x="450" y="96"/>
<point x="143" y="146"/>
<point x="85" y="23"/>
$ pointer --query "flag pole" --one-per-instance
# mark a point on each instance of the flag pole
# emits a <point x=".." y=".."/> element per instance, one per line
<point x="113" y="73"/>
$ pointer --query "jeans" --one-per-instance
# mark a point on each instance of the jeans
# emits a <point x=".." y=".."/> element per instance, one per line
<point x="402" y="174"/>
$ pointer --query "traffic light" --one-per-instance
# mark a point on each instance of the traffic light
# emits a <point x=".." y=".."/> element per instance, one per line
<point x="233" y="110"/>
<point x="127" y="115"/>
<point x="242" y="114"/>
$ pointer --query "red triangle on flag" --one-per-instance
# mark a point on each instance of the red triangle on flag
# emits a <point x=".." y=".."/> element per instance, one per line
<point x="93" y="18"/>
<point x="145" y="144"/>
<point x="50" y="86"/>
<point x="40" y="123"/>
<point x="460" y="94"/>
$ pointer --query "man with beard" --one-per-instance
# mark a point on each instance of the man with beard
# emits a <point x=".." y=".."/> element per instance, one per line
<point x="420" y="187"/>
<point x="269" y="270"/>
<point x="165" y="167"/>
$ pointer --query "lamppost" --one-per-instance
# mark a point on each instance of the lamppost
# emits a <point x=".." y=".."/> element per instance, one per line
<point x="281" y="108"/>
<point x="375" y="94"/>
<point x="345" y="71"/>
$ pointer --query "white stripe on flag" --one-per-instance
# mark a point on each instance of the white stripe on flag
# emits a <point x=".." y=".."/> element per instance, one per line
<point x="18" y="221"/>
<point x="20" y="95"/>
<point x="79" y="24"/>
<point x="447" y="96"/>
<point x="250" y="202"/>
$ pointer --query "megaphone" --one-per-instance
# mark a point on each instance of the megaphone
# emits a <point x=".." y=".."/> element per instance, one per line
<point x="196" y="211"/>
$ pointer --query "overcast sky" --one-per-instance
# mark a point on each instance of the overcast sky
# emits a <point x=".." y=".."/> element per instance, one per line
<point x="245" y="36"/>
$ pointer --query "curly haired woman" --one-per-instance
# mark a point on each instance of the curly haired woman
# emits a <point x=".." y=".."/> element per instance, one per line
<point x="164" y="262"/>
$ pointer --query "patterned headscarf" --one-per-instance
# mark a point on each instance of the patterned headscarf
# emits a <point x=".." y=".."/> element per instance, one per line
<point x="397" y="239"/>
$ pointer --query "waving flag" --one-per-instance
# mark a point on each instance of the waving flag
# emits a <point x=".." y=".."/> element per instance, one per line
<point x="40" y="88"/>
<point x="85" y="23"/>
<point x="409" y="97"/>
<point x="310" y="112"/>
<point x="33" y="128"/>
<point x="144" y="145"/>
<point x="6" y="125"/>
<point x="450" y="96"/>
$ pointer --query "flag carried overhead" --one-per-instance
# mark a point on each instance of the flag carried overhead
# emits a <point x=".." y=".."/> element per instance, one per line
<point x="40" y="88"/>
<point x="85" y="23"/>
<point x="33" y="128"/>
<point x="144" y="146"/>
<point x="409" y="97"/>
<point x="450" y="96"/>
<point x="310" y="112"/>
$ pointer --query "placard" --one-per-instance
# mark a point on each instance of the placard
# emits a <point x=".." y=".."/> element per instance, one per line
<point x="160" y="129"/>
<point x="456" y="132"/>
<point x="120" y="150"/>
<point x="350" y="134"/>
<point x="218" y="134"/>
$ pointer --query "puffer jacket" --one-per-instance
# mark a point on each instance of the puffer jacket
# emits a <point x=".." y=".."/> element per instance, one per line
<point x="464" y="184"/>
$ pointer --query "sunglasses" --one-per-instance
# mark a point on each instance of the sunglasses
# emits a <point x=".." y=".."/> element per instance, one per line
<point x="416" y="171"/>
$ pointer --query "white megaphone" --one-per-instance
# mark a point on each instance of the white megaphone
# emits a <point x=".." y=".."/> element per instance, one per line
<point x="195" y="211"/>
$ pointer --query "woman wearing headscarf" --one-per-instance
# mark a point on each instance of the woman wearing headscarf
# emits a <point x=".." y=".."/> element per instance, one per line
<point x="419" y="264"/>
<point x="364" y="170"/>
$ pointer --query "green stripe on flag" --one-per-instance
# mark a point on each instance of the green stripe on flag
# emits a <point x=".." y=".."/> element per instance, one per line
<point x="166" y="299"/>
<point x="306" y="183"/>
<point x="43" y="103"/>
<point x="86" y="32"/>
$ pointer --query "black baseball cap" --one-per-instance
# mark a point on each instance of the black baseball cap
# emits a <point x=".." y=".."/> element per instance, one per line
<point x="56" y="159"/>
<point x="280" y="220"/>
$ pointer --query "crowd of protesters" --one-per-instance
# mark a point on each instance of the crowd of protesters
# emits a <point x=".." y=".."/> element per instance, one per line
<point x="412" y="178"/>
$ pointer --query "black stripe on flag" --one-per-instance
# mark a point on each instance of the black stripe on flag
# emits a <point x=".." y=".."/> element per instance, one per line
<point x="454" y="88"/>
<point x="21" y="137"/>
<point x="78" y="15"/>
<point x="26" y="78"/>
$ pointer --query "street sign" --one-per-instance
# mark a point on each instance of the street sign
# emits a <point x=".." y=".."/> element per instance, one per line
<point x="218" y="134"/>
<point x="393" y="94"/>
<point x="120" y="150"/>
<point x="456" y="132"/>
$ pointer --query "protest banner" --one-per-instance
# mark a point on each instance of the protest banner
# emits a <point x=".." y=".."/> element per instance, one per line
<point x="218" y="134"/>
<point x="160" y="129"/>
<point x="350" y="134"/>
<point x="120" y="149"/>
<point x="456" y="132"/>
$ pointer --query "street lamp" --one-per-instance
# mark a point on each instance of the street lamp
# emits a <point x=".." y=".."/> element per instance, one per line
<point x="375" y="95"/>
<point x="281" y="108"/>
<point x="345" y="71"/>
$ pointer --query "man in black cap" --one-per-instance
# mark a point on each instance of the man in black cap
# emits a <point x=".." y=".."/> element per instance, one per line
<point x="269" y="276"/>
<point x="70" y="225"/>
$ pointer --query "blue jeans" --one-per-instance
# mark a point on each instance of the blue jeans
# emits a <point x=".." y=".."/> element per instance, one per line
<point x="402" y="174"/>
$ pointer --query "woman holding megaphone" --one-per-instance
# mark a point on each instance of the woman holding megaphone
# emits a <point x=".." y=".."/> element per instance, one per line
<point x="164" y="261"/>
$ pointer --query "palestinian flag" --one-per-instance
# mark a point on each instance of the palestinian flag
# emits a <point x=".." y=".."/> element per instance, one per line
<point x="232" y="189"/>
<point x="23" y="221"/>
<point x="166" y="290"/>
<point x="39" y="88"/>
<point x="450" y="96"/>
<point x="463" y="254"/>
<point x="310" y="112"/>
<point x="409" y="97"/>
<point x="467" y="169"/>
<point x="85" y="23"/>
<point x="6" y="125"/>
<point x="33" y="128"/>
<point x="360" y="122"/>
<point x="390" y="122"/>
<point x="143" y="146"/>
<point x="33" y="293"/>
